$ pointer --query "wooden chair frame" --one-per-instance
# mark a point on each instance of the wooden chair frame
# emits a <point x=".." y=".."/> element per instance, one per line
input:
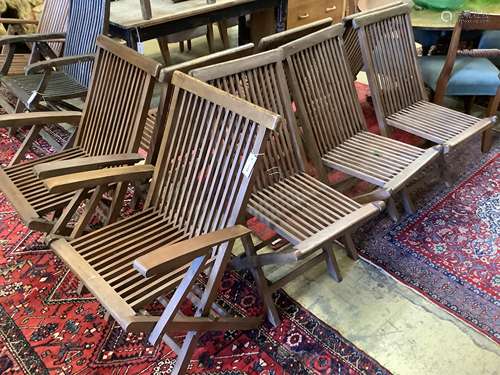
<point x="335" y="130"/>
<point x="469" y="21"/>
<point x="47" y="84"/>
<point x="396" y="84"/>
<point x="185" y="228"/>
<point x="53" y="21"/>
<point x="317" y="214"/>
<point x="109" y="133"/>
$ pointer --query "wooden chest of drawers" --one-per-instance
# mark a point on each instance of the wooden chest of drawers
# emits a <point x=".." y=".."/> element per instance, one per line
<point x="301" y="12"/>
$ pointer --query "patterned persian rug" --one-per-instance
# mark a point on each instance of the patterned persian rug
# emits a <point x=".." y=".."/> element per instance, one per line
<point x="47" y="328"/>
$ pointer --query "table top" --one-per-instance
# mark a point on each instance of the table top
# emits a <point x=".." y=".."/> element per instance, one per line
<point x="439" y="20"/>
<point x="127" y="13"/>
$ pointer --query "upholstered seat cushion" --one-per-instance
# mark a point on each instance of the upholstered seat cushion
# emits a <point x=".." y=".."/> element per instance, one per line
<point x="470" y="75"/>
<point x="491" y="40"/>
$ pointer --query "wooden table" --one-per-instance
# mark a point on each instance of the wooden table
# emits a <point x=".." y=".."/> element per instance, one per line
<point x="126" y="20"/>
<point x="431" y="19"/>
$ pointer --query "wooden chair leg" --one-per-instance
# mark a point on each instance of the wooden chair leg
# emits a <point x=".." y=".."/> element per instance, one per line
<point x="331" y="262"/>
<point x="189" y="45"/>
<point x="181" y="46"/>
<point x="392" y="210"/>
<point x="407" y="202"/>
<point x="222" y="25"/>
<point x="487" y="136"/>
<point x="443" y="170"/>
<point x="165" y="52"/>
<point x="17" y="109"/>
<point x="350" y="247"/>
<point x="210" y="37"/>
<point x="87" y="214"/>
<point x="262" y="284"/>
<point x="468" y="102"/>
<point x="26" y="145"/>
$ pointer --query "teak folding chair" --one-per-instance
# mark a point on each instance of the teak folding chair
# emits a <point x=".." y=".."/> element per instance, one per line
<point x="200" y="185"/>
<point x="52" y="24"/>
<point x="108" y="134"/>
<point x="49" y="83"/>
<point x="398" y="92"/>
<point x="466" y="72"/>
<point x="306" y="212"/>
<point x="273" y="41"/>
<point x="335" y="130"/>
<point x="351" y="43"/>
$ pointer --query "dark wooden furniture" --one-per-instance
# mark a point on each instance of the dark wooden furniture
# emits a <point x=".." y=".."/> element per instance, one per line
<point x="48" y="83"/>
<point x="127" y="21"/>
<point x="109" y="132"/>
<point x="335" y="131"/>
<point x="53" y="20"/>
<point x="470" y="71"/>
<point x="276" y="40"/>
<point x="200" y="185"/>
<point x="306" y="212"/>
<point x="302" y="12"/>
<point x="396" y="84"/>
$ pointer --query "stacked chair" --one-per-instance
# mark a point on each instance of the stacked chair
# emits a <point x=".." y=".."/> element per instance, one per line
<point x="305" y="211"/>
<point x="396" y="84"/>
<point x="335" y="133"/>
<point x="45" y="88"/>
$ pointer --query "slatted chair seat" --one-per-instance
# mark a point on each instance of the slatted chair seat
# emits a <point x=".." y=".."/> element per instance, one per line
<point x="382" y="161"/>
<point x="18" y="63"/>
<point x="149" y="130"/>
<point x="109" y="253"/>
<point x="300" y="206"/>
<point x="438" y="124"/>
<point x="61" y="86"/>
<point x="27" y="192"/>
<point x="200" y="185"/>
<point x="108" y="134"/>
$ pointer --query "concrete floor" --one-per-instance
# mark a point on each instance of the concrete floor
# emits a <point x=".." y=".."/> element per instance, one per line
<point x="399" y="328"/>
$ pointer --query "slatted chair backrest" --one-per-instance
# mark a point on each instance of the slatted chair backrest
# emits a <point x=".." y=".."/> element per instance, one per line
<point x="200" y="179"/>
<point x="87" y="20"/>
<point x="261" y="80"/>
<point x="323" y="88"/>
<point x="54" y="19"/>
<point x="276" y="40"/>
<point x="151" y="139"/>
<point x="389" y="53"/>
<point x="351" y="42"/>
<point x="118" y="100"/>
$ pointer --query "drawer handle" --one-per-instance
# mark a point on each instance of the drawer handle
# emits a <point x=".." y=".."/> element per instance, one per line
<point x="331" y="9"/>
<point x="304" y="16"/>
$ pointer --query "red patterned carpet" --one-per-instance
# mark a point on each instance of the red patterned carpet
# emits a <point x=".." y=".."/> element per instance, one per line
<point x="47" y="328"/>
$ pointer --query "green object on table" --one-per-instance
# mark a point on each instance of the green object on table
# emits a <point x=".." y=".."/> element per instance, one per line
<point x="440" y="4"/>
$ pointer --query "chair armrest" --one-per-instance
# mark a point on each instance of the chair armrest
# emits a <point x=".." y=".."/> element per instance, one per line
<point x="17" y="21"/>
<point x="9" y="39"/>
<point x="19" y="120"/>
<point x="64" y="167"/>
<point x="76" y="181"/>
<point x="57" y="62"/>
<point x="170" y="257"/>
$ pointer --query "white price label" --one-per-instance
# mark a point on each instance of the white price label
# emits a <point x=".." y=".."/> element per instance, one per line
<point x="250" y="163"/>
<point x="140" y="48"/>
